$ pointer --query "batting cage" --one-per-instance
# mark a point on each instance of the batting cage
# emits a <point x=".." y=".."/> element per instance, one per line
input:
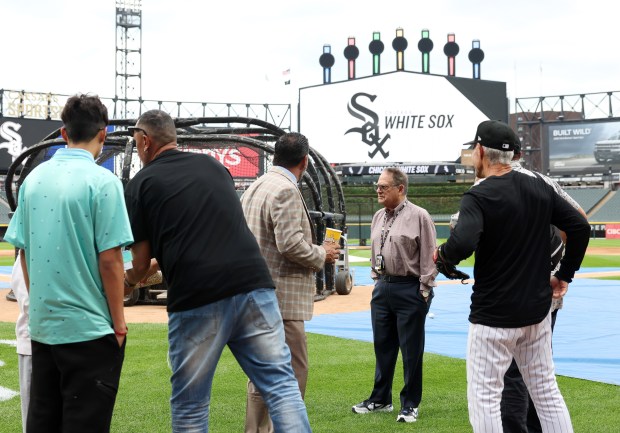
<point x="245" y="147"/>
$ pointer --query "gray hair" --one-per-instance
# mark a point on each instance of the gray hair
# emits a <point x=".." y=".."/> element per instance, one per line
<point x="495" y="156"/>
<point x="159" y="126"/>
<point x="398" y="177"/>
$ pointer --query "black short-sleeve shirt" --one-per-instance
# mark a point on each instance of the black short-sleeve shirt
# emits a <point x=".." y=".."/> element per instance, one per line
<point x="186" y="206"/>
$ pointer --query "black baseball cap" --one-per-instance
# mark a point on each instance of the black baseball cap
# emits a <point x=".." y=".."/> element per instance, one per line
<point x="496" y="135"/>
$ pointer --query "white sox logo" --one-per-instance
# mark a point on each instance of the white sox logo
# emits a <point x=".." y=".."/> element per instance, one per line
<point x="370" y="129"/>
<point x="14" y="144"/>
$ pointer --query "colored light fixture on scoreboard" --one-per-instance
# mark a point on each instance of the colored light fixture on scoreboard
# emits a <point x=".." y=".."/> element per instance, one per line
<point x="376" y="47"/>
<point x="400" y="45"/>
<point x="451" y="50"/>
<point x="327" y="60"/>
<point x="425" y="45"/>
<point x="476" y="56"/>
<point x="351" y="52"/>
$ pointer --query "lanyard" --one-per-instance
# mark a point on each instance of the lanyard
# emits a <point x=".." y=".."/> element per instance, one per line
<point x="384" y="232"/>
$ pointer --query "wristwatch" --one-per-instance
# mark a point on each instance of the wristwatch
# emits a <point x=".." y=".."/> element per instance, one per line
<point x="425" y="293"/>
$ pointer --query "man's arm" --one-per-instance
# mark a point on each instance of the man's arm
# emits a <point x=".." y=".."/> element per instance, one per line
<point x="111" y="270"/>
<point x="583" y="214"/>
<point x="141" y="263"/>
<point x="577" y="230"/>
<point x="463" y="241"/>
<point x="428" y="243"/>
<point x="560" y="191"/>
<point x="285" y="211"/>
<point x="24" y="265"/>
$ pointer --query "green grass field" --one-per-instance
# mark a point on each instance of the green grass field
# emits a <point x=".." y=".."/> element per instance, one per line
<point x="8" y="260"/>
<point x="341" y="375"/>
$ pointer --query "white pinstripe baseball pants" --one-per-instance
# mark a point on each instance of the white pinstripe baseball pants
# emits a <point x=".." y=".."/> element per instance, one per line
<point x="489" y="354"/>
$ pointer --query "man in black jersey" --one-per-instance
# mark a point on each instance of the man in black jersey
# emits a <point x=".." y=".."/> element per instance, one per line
<point x="184" y="212"/>
<point x="505" y="221"/>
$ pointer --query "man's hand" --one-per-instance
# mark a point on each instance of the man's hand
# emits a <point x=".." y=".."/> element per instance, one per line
<point x="446" y="268"/>
<point x="559" y="287"/>
<point x="128" y="287"/>
<point x="332" y="251"/>
<point x="120" y="335"/>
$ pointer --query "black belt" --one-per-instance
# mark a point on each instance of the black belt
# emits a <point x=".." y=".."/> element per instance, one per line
<point x="399" y="278"/>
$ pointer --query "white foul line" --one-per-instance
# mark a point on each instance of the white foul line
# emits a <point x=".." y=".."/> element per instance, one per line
<point x="5" y="393"/>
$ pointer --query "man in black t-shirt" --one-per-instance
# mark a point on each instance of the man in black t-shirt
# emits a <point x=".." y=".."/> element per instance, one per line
<point x="184" y="212"/>
<point x="505" y="220"/>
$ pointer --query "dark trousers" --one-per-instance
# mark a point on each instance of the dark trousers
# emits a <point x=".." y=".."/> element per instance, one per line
<point x="517" y="409"/>
<point x="398" y="313"/>
<point x="74" y="386"/>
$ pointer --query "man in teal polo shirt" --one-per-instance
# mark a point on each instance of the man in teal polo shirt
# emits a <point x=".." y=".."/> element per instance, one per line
<point x="70" y="225"/>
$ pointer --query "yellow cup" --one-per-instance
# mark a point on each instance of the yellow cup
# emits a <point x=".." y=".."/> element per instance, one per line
<point x="332" y="235"/>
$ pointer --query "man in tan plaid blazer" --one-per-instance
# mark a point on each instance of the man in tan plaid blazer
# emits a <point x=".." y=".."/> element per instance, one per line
<point x="277" y="215"/>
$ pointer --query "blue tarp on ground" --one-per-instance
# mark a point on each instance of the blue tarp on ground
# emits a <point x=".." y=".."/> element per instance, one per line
<point x="586" y="341"/>
<point x="5" y="270"/>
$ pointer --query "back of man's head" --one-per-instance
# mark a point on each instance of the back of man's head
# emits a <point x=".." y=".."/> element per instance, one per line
<point x="83" y="117"/>
<point x="159" y="126"/>
<point x="290" y="149"/>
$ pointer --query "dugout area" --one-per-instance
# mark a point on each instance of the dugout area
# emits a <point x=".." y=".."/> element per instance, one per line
<point x="246" y="147"/>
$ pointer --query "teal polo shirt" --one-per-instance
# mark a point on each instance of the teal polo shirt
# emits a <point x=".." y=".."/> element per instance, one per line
<point x="69" y="210"/>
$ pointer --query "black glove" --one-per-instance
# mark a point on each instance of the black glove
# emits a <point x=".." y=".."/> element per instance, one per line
<point x="448" y="269"/>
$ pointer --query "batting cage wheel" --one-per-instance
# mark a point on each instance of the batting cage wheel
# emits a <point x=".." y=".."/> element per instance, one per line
<point x="344" y="283"/>
<point x="132" y="298"/>
<point x="245" y="146"/>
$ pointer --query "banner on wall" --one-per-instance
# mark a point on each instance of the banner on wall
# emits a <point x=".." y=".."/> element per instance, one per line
<point x="362" y="170"/>
<point x="612" y="231"/>
<point x="17" y="134"/>
<point x="241" y="161"/>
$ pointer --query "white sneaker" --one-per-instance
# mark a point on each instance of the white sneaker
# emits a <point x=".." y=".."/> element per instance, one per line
<point x="407" y="414"/>
<point x="368" y="406"/>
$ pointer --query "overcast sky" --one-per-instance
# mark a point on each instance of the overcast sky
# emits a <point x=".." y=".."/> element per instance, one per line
<point x="235" y="51"/>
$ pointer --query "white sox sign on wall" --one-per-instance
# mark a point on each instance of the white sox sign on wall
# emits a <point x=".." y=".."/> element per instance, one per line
<point x="17" y="134"/>
<point x="397" y="117"/>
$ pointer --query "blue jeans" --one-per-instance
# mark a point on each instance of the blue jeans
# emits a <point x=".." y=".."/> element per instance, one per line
<point x="251" y="325"/>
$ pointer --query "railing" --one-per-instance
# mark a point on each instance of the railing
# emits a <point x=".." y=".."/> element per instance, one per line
<point x="38" y="105"/>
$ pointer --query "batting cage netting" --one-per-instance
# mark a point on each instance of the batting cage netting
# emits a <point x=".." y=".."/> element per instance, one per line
<point x="245" y="147"/>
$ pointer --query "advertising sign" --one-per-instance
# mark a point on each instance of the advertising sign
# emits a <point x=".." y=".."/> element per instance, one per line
<point x="360" y="170"/>
<point x="612" y="231"/>
<point x="584" y="147"/>
<point x="395" y="117"/>
<point x="17" y="134"/>
<point x="241" y="162"/>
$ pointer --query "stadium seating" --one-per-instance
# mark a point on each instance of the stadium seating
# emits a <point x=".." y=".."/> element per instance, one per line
<point x="587" y="197"/>
<point x="4" y="212"/>
<point x="610" y="212"/>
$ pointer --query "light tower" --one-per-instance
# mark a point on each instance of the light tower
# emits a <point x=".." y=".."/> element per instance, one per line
<point x="128" y="93"/>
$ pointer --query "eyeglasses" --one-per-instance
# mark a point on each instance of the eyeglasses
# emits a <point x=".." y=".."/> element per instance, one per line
<point x="132" y="130"/>
<point x="383" y="188"/>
